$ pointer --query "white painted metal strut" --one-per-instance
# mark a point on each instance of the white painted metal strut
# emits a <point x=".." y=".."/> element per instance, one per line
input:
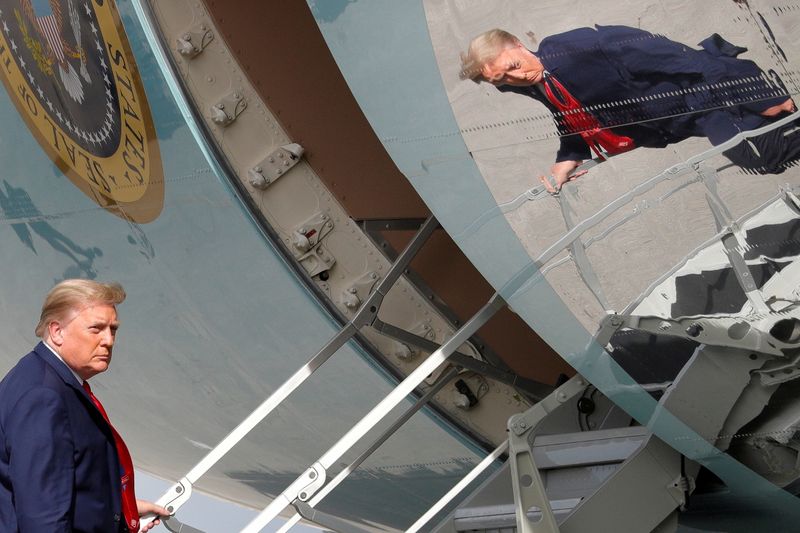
<point x="180" y="493"/>
<point x="461" y="485"/>
<point x="397" y="424"/>
<point x="305" y="486"/>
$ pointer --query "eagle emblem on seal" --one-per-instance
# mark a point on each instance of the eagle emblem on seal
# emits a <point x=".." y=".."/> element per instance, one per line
<point x="55" y="52"/>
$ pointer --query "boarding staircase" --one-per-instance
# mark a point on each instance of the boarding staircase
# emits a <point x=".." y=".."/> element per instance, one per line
<point x="616" y="477"/>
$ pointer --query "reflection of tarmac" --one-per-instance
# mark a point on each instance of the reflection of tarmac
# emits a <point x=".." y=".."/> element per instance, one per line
<point x="16" y="204"/>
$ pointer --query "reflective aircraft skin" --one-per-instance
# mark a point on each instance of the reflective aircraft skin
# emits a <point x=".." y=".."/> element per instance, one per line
<point x="138" y="145"/>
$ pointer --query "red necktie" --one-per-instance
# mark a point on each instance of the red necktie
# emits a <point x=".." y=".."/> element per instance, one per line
<point x="129" y="508"/>
<point x="580" y="121"/>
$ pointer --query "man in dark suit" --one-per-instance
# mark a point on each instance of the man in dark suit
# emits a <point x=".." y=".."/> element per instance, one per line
<point x="614" y="88"/>
<point x="63" y="467"/>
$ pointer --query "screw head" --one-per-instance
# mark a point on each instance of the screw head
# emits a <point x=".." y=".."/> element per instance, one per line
<point x="694" y="330"/>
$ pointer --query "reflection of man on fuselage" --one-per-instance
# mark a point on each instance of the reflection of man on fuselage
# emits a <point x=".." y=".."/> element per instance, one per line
<point x="614" y="88"/>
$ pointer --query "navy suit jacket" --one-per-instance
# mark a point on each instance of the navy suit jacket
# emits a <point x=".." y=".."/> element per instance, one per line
<point x="652" y="89"/>
<point x="59" y="469"/>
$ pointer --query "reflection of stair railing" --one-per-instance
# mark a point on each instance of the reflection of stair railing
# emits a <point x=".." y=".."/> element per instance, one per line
<point x="689" y="166"/>
<point x="571" y="240"/>
<point x="728" y="231"/>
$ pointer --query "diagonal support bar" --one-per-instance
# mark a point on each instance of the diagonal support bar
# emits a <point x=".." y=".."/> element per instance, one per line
<point x="299" y="488"/>
<point x="443" y="380"/>
<point x="180" y="493"/>
<point x="460" y="486"/>
<point x="533" y="388"/>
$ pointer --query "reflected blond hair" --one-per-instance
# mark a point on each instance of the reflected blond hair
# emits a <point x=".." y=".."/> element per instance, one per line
<point x="72" y="295"/>
<point x="482" y="50"/>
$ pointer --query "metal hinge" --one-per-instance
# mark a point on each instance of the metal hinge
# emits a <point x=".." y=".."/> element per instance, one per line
<point x="193" y="41"/>
<point x="228" y="109"/>
<point x="307" y="246"/>
<point x="275" y="165"/>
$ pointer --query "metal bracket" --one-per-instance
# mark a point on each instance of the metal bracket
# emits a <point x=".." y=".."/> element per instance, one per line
<point x="533" y="389"/>
<point x="275" y="165"/>
<point x="228" y="109"/>
<point x="528" y="487"/>
<point x="172" y="500"/>
<point x="359" y="290"/>
<point x="176" y="526"/>
<point x="755" y="332"/>
<point x="317" y="260"/>
<point x="777" y="372"/>
<point x="334" y="523"/>
<point x="682" y="486"/>
<point x="308" y="247"/>
<point x="316" y="475"/>
<point x="193" y="41"/>
<point x="310" y="233"/>
<point x="424" y="330"/>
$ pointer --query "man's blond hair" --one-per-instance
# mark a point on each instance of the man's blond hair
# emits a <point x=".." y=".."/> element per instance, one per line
<point x="73" y="295"/>
<point x="484" y="49"/>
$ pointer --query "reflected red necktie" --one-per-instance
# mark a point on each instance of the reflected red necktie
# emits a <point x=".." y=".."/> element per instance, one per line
<point x="578" y="120"/>
<point x="129" y="509"/>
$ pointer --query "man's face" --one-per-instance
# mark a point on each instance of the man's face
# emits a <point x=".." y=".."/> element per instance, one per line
<point x="515" y="65"/>
<point x="85" y="339"/>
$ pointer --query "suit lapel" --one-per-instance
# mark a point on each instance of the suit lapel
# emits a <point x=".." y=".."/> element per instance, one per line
<point x="69" y="379"/>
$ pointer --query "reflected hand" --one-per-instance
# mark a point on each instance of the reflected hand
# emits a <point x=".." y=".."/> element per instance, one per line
<point x="561" y="173"/>
<point x="785" y="107"/>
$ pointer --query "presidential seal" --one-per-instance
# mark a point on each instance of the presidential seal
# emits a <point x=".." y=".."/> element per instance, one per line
<point x="68" y="68"/>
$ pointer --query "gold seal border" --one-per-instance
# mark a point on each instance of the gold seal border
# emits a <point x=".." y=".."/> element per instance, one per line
<point x="144" y="207"/>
